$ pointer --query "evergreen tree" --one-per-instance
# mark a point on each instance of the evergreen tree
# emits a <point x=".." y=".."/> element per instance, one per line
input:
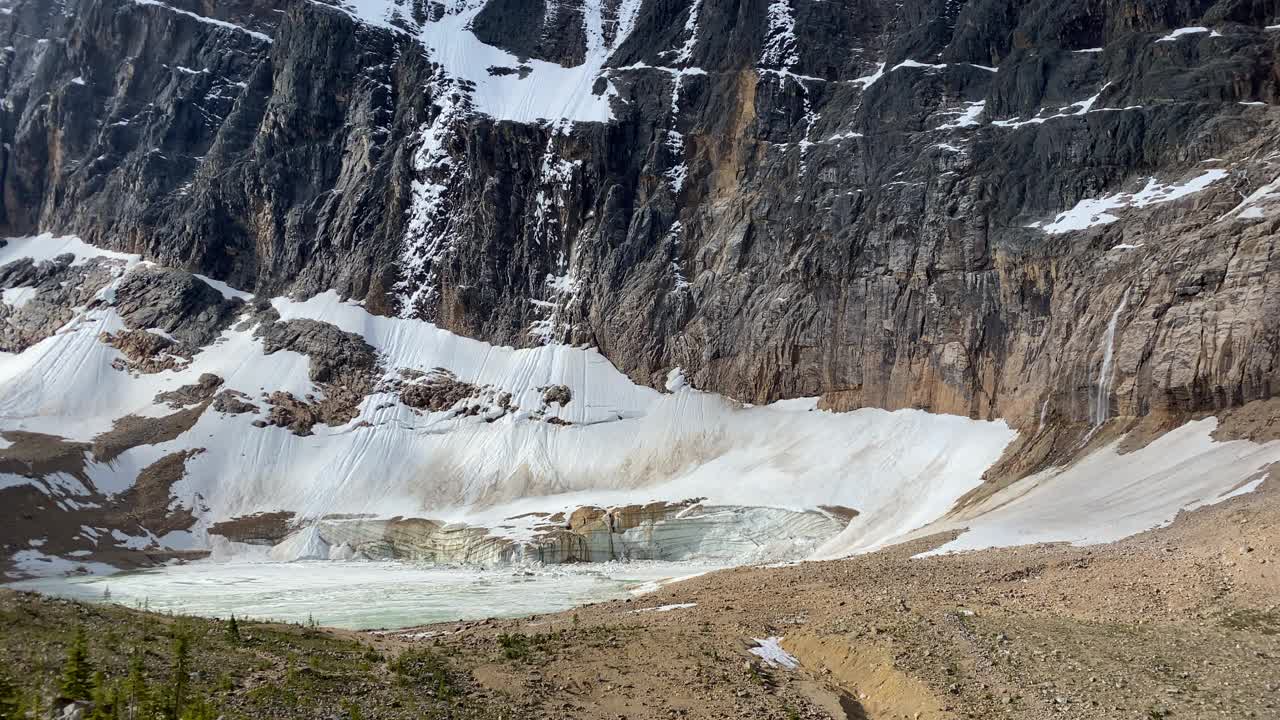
<point x="199" y="709"/>
<point x="233" y="630"/>
<point x="10" y="701"/>
<point x="106" y="699"/>
<point x="135" y="689"/>
<point x="99" y="695"/>
<point x="77" y="673"/>
<point x="178" y="677"/>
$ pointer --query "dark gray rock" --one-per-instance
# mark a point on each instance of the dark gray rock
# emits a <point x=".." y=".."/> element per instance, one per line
<point x="233" y="402"/>
<point x="52" y="290"/>
<point x="201" y="390"/>
<point x="333" y="352"/>
<point x="176" y="302"/>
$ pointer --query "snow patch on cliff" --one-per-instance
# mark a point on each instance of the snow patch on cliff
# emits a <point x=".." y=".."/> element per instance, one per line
<point x="967" y="117"/>
<point x="780" y="44"/>
<point x="1183" y="32"/>
<point x="685" y="53"/>
<point x="1259" y="203"/>
<point x="534" y="90"/>
<point x="207" y="20"/>
<point x="1098" y="211"/>
<point x="1107" y="495"/>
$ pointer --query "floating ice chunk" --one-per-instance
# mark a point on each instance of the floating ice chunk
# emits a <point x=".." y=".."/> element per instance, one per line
<point x="33" y="563"/>
<point x="770" y="651"/>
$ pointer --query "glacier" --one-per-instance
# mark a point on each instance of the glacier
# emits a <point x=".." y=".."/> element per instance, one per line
<point x="611" y="471"/>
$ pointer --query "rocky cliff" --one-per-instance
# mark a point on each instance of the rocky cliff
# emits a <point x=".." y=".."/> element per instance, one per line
<point x="1051" y="213"/>
<point x="848" y="199"/>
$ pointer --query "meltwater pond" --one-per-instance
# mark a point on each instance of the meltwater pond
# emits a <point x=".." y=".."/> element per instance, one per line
<point x="364" y="595"/>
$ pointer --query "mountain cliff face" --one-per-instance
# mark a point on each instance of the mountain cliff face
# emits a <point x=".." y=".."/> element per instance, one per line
<point x="853" y="200"/>
<point x="1049" y="213"/>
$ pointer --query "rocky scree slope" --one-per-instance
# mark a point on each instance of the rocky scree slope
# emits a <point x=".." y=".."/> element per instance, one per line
<point x="1051" y="213"/>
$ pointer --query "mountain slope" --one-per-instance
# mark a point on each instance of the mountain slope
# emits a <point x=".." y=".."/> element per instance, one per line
<point x="1052" y="218"/>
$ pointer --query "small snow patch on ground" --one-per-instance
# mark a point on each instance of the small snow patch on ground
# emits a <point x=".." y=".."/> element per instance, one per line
<point x="770" y="651"/>
<point x="47" y="247"/>
<point x="666" y="608"/>
<point x="19" y="296"/>
<point x="1252" y="207"/>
